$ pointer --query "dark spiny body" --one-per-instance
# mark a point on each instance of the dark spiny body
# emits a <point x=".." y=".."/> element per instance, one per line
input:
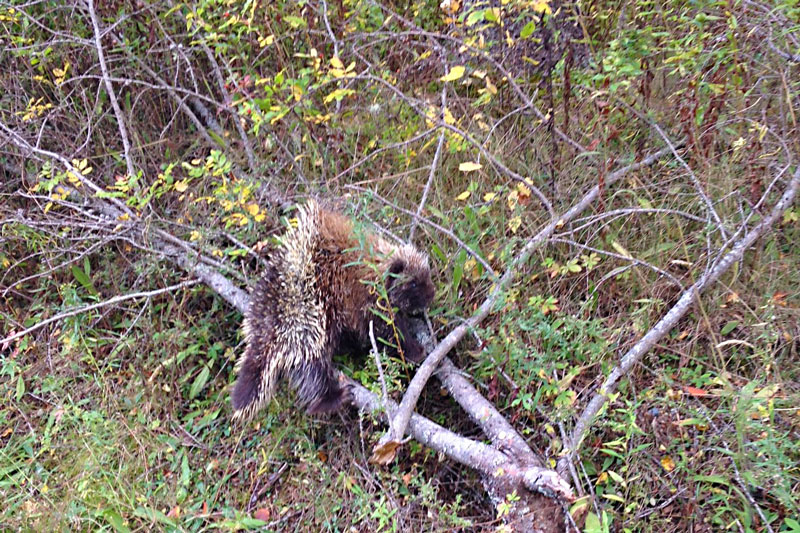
<point x="312" y="302"/>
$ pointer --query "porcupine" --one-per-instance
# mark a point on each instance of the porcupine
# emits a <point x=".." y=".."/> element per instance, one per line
<point x="315" y="300"/>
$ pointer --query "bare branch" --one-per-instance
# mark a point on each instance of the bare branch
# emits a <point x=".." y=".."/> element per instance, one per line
<point x="434" y="166"/>
<point x="112" y="97"/>
<point x="87" y="308"/>
<point x="403" y="415"/>
<point x="669" y="320"/>
<point x="477" y="455"/>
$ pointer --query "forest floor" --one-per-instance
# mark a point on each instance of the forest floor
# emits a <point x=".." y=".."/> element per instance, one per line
<point x="492" y="119"/>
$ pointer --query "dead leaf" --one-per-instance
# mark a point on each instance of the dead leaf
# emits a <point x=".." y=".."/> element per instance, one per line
<point x="469" y="166"/>
<point x="262" y="514"/>
<point x="384" y="454"/>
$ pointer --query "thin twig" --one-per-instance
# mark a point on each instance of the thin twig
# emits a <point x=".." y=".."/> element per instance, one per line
<point x="248" y="150"/>
<point x="631" y="259"/>
<point x="377" y="355"/>
<point x="86" y="308"/>
<point x="112" y="97"/>
<point x="475" y="255"/>
<point x="695" y="181"/>
<point x="434" y="166"/>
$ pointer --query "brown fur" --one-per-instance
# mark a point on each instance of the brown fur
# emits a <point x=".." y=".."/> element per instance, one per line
<point x="313" y="302"/>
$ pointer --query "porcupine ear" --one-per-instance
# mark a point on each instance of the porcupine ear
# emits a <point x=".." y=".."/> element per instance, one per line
<point x="396" y="268"/>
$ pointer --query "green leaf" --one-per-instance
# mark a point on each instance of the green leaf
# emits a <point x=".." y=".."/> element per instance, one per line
<point x="84" y="280"/>
<point x="295" y="22"/>
<point x="154" y="515"/>
<point x="20" y="388"/>
<point x="592" y="524"/>
<point x="475" y="17"/>
<point x="458" y="268"/>
<point x="199" y="382"/>
<point x="794" y="525"/>
<point x="527" y="30"/>
<point x="438" y="253"/>
<point x="116" y="521"/>
<point x="730" y="326"/>
<point x="217" y="139"/>
<point x="713" y="479"/>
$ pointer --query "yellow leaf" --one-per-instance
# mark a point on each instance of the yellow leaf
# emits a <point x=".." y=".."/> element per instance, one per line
<point x="337" y="63"/>
<point x="480" y="74"/>
<point x="454" y="74"/>
<point x="463" y="196"/>
<point x="338" y="94"/>
<point x="195" y="236"/>
<point x="450" y="7"/>
<point x="124" y="217"/>
<point x="469" y="166"/>
<point x="542" y="6"/>
<point x="181" y="186"/>
<point x="513" y="199"/>
<point x="252" y="209"/>
<point x="448" y="117"/>
<point x="621" y="250"/>
<point x="297" y="92"/>
<point x="668" y="463"/>
<point x="489" y="196"/>
<point x="514" y="224"/>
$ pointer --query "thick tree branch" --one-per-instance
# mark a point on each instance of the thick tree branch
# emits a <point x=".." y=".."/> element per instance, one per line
<point x="403" y="414"/>
<point x="669" y="320"/>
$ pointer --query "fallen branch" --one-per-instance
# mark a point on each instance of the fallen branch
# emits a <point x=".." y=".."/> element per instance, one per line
<point x="669" y="320"/>
<point x="485" y="414"/>
<point x="423" y="374"/>
<point x="503" y="474"/>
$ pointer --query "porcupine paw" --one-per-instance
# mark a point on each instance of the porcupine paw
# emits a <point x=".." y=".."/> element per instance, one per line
<point x="339" y="394"/>
<point x="414" y="351"/>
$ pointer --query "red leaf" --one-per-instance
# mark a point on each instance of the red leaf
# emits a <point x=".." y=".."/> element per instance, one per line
<point x="694" y="391"/>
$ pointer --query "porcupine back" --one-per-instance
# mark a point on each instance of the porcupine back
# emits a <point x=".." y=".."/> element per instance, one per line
<point x="313" y="300"/>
